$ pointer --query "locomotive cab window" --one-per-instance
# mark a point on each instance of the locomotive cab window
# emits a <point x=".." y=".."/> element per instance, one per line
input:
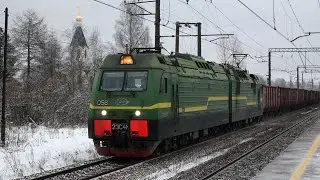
<point x="124" y="81"/>
<point x="136" y="81"/>
<point x="112" y="81"/>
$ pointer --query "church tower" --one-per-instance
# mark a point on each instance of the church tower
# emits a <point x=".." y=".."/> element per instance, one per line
<point x="79" y="56"/>
<point x="79" y="43"/>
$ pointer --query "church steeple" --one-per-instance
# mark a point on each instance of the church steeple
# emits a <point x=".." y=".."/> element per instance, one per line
<point x="78" y="39"/>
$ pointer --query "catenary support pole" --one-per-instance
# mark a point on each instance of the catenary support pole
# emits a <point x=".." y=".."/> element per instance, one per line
<point x="3" y="113"/>
<point x="269" y="66"/>
<point x="177" y="37"/>
<point x="199" y="39"/>
<point x="157" y="27"/>
<point x="298" y="77"/>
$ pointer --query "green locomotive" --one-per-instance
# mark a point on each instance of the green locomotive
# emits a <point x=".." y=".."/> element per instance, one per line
<point x="147" y="102"/>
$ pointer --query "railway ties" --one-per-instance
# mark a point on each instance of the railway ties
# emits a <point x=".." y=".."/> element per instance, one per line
<point x="86" y="171"/>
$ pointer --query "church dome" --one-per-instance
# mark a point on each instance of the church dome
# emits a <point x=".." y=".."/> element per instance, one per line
<point x="78" y="19"/>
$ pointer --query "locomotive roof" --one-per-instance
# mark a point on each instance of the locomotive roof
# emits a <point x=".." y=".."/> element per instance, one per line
<point x="188" y="64"/>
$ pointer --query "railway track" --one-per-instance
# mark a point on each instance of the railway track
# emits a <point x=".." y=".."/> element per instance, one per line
<point x="87" y="171"/>
<point x="109" y="165"/>
<point x="112" y="164"/>
<point x="223" y="168"/>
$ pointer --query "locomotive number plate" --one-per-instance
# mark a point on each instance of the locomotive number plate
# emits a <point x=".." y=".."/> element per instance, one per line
<point x="120" y="126"/>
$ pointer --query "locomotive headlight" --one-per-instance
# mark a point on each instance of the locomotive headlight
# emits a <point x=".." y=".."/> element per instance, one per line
<point x="137" y="113"/>
<point x="104" y="112"/>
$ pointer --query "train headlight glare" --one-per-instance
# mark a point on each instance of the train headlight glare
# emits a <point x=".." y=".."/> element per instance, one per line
<point x="104" y="112"/>
<point x="137" y="113"/>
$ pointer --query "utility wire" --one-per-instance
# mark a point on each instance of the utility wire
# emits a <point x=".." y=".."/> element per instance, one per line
<point x="296" y="16"/>
<point x="169" y="14"/>
<point x="274" y="18"/>
<point x="237" y="26"/>
<point x="218" y="27"/>
<point x="300" y="24"/>
<point x="285" y="11"/>
<point x="153" y="22"/>
<point x="166" y="25"/>
<point x="273" y="29"/>
<point x="263" y="20"/>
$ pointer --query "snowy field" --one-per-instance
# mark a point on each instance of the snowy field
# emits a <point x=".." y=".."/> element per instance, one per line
<point x="33" y="150"/>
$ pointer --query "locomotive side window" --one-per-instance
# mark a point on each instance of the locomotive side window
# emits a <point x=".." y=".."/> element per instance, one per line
<point x="165" y="85"/>
<point x="254" y="88"/>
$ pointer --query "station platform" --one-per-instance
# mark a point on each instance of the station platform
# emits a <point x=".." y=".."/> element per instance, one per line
<point x="300" y="160"/>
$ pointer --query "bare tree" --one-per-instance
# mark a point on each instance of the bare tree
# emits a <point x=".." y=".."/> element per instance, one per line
<point x="262" y="80"/>
<point x="29" y="33"/>
<point x="131" y="31"/>
<point x="97" y="49"/>
<point x="12" y="55"/>
<point x="227" y="47"/>
<point x="280" y="82"/>
<point x="50" y="59"/>
<point x="309" y="84"/>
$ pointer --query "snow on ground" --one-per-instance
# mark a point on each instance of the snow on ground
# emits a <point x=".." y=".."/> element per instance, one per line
<point x="33" y="150"/>
<point x="307" y="112"/>
<point x="245" y="140"/>
<point x="174" y="169"/>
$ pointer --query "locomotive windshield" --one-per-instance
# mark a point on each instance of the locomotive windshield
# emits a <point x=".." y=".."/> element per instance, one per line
<point x="124" y="81"/>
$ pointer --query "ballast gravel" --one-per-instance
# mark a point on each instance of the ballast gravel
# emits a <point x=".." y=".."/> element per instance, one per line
<point x="249" y="167"/>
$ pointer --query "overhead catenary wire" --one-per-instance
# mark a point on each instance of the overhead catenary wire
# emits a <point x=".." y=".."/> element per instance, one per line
<point x="237" y="26"/>
<point x="295" y="16"/>
<point x="302" y="29"/>
<point x="273" y="29"/>
<point x="264" y="20"/>
<point x="166" y="26"/>
<point x="218" y="27"/>
<point x="224" y="30"/>
<point x="169" y="14"/>
<point x="285" y="11"/>
<point x="274" y="18"/>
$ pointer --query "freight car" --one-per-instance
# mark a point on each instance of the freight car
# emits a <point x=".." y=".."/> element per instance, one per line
<point x="279" y="99"/>
<point x="146" y="103"/>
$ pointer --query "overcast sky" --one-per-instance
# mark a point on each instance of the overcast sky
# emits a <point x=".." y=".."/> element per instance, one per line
<point x="255" y="35"/>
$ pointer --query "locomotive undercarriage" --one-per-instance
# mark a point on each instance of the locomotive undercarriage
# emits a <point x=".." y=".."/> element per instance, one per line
<point x="120" y="145"/>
